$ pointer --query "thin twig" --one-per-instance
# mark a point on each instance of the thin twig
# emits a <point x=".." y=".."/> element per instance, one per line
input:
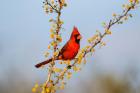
<point x="57" y="33"/>
<point x="110" y="24"/>
<point x="48" y="3"/>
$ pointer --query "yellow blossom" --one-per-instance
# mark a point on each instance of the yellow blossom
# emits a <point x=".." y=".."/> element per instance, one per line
<point x="74" y="68"/>
<point x="51" y="10"/>
<point x="60" y="62"/>
<point x="108" y="32"/>
<point x="102" y="43"/>
<point x="48" y="90"/>
<point x="52" y="1"/>
<point x="137" y="1"/>
<point x="55" y="53"/>
<point x="125" y="18"/>
<point x="42" y="91"/>
<point x="89" y="40"/>
<point x="127" y="6"/>
<point x="46" y="7"/>
<point x="61" y="22"/>
<point x="46" y="54"/>
<point x="131" y="1"/>
<point x="53" y="43"/>
<point x="51" y="30"/>
<point x="36" y="85"/>
<point x="79" y="57"/>
<point x="63" y="1"/>
<point x="85" y="61"/>
<point x="62" y="86"/>
<point x="52" y="35"/>
<point x="92" y="50"/>
<point x="69" y="74"/>
<point x="58" y="37"/>
<point x="68" y="62"/>
<point x="57" y="70"/>
<point x="54" y="25"/>
<point x="49" y="46"/>
<point x="87" y="47"/>
<point x="34" y="89"/>
<point x="114" y="15"/>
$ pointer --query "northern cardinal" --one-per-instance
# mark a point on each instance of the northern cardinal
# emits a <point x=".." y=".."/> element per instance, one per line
<point x="69" y="50"/>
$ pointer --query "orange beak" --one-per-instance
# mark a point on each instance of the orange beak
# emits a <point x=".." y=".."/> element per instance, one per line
<point x="79" y="37"/>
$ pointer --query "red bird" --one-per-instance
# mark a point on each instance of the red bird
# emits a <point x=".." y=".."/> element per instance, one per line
<point x="69" y="50"/>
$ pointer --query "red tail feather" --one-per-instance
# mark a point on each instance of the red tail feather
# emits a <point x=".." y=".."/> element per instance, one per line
<point x="43" y="63"/>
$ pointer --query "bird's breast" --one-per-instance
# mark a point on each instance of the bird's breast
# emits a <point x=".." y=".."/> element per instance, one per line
<point x="71" y="52"/>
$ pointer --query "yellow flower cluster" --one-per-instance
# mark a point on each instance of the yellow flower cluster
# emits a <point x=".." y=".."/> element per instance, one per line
<point x="67" y="62"/>
<point x="53" y="5"/>
<point x="108" y="32"/>
<point x="76" y="68"/>
<point x="49" y="88"/>
<point x="53" y="43"/>
<point x="57" y="70"/>
<point x="114" y="15"/>
<point x="125" y="18"/>
<point x="62" y="86"/>
<point x="34" y="89"/>
<point x="55" y="53"/>
<point x="80" y="57"/>
<point x="81" y="54"/>
<point x="93" y="39"/>
<point x="48" y="8"/>
<point x="58" y="38"/>
<point x="102" y="44"/>
<point x="69" y="74"/>
<point x="46" y="54"/>
<point x="45" y="88"/>
<point x="63" y="3"/>
<point x="127" y="6"/>
<point x="131" y="1"/>
<point x="52" y="1"/>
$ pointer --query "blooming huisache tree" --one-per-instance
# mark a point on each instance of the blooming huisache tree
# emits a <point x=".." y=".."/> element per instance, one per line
<point x="56" y="77"/>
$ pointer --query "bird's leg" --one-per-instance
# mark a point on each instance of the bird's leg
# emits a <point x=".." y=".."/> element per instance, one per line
<point x="69" y="66"/>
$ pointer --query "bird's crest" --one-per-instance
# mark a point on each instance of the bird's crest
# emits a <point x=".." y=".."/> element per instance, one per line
<point x="75" y="31"/>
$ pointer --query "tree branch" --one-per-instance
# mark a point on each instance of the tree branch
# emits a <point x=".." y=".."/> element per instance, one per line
<point x="48" y="3"/>
<point x="110" y="24"/>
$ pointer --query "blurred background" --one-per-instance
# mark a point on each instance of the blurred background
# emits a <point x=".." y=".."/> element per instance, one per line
<point x="24" y="37"/>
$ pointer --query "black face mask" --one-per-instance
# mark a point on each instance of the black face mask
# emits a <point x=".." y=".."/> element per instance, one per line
<point x="77" y="40"/>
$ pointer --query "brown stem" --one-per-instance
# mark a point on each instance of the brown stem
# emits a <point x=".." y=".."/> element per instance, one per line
<point x="55" y="40"/>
